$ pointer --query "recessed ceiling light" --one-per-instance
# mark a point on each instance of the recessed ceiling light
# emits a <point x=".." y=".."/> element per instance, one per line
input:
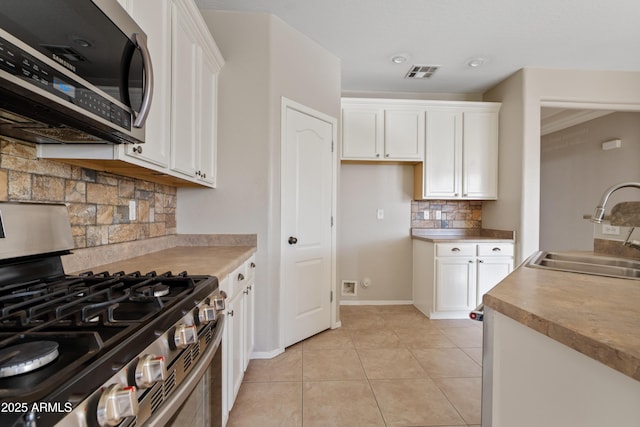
<point x="399" y="59"/>
<point x="476" y="62"/>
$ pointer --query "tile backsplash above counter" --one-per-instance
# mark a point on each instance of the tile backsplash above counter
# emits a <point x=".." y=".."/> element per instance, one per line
<point x="446" y="214"/>
<point x="99" y="202"/>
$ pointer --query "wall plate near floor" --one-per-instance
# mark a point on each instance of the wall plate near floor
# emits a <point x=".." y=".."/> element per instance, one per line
<point x="349" y="288"/>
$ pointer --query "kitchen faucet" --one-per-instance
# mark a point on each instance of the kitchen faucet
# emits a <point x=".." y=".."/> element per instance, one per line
<point x="598" y="214"/>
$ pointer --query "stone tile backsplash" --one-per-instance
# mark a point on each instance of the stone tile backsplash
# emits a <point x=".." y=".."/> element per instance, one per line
<point x="453" y="214"/>
<point x="98" y="202"/>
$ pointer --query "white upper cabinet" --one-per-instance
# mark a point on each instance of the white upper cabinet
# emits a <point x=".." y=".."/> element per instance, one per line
<point x="480" y="155"/>
<point x="461" y="154"/>
<point x="442" y="165"/>
<point x="362" y="130"/>
<point x="453" y="144"/>
<point x="186" y="53"/>
<point x="403" y="133"/>
<point x="381" y="132"/>
<point x="207" y="149"/>
<point x="196" y="62"/>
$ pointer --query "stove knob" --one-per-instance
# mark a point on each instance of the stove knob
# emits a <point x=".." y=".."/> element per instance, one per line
<point x="116" y="403"/>
<point x="218" y="303"/>
<point x="207" y="314"/>
<point x="150" y="370"/>
<point x="185" y="335"/>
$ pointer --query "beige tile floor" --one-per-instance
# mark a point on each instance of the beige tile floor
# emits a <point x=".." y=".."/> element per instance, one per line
<point x="386" y="366"/>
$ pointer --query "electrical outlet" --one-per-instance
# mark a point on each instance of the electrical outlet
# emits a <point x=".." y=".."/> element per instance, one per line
<point x="380" y="213"/>
<point x="438" y="215"/>
<point x="425" y="215"/>
<point x="610" y="229"/>
<point x="132" y="210"/>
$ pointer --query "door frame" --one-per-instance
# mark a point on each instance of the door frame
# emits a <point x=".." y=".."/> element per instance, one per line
<point x="293" y="105"/>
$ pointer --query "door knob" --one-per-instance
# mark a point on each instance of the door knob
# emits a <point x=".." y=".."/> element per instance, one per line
<point x="293" y="240"/>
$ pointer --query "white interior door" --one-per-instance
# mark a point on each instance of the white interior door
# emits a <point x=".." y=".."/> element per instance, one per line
<point x="307" y="208"/>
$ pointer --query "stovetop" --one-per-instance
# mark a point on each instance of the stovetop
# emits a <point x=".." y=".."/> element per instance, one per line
<point x="93" y="321"/>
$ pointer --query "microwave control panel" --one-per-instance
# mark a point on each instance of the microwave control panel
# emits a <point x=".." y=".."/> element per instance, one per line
<point x="17" y="62"/>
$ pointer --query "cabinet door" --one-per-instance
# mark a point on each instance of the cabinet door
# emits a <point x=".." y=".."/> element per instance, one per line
<point x="186" y="59"/>
<point x="480" y="155"/>
<point x="455" y="284"/>
<point x="154" y="17"/>
<point x="235" y="315"/>
<point x="443" y="154"/>
<point x="403" y="134"/>
<point x="491" y="270"/>
<point x="207" y="144"/>
<point x="362" y="133"/>
<point x="249" y="298"/>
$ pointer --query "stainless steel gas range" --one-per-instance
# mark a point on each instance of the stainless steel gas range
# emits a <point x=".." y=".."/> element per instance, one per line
<point x="99" y="348"/>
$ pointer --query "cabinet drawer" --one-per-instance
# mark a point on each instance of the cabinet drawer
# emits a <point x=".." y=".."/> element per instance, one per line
<point x="495" y="249"/>
<point x="455" y="249"/>
<point x="237" y="280"/>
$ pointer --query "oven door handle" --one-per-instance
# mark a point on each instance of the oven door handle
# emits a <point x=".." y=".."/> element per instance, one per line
<point x="180" y="395"/>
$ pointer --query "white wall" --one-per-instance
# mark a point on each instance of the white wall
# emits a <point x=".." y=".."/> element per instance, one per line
<point x="264" y="61"/>
<point x="370" y="247"/>
<point x="521" y="95"/>
<point x="574" y="171"/>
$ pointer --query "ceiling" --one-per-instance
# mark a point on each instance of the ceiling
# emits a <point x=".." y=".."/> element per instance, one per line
<point x="507" y="34"/>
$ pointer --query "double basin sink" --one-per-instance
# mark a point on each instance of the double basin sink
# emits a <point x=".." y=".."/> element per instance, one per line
<point x="586" y="264"/>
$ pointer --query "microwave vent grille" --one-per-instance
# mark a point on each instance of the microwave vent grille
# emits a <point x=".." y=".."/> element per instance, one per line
<point x="63" y="134"/>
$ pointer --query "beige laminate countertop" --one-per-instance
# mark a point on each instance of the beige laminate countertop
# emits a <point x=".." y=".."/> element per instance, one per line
<point x="453" y="235"/>
<point x="196" y="260"/>
<point x="597" y="316"/>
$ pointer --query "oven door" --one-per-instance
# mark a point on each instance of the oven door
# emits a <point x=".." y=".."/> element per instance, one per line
<point x="198" y="400"/>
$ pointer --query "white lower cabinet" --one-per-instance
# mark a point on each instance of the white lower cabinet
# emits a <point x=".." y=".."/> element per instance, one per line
<point x="238" y="335"/>
<point x="449" y="279"/>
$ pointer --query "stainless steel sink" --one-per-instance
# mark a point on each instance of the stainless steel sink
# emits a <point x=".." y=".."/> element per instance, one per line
<point x="586" y="264"/>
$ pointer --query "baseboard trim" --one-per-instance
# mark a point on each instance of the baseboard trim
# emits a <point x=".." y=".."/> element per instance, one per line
<point x="376" y="302"/>
<point x="266" y="354"/>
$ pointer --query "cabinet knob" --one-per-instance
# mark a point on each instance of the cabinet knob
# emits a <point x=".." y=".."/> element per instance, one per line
<point x="470" y="261"/>
<point x="377" y="154"/>
<point x="480" y="261"/>
<point x="386" y="155"/>
<point x="137" y="149"/>
<point x="240" y="277"/>
<point x="230" y="313"/>
<point x="252" y="265"/>
<point x="246" y="291"/>
<point x="293" y="240"/>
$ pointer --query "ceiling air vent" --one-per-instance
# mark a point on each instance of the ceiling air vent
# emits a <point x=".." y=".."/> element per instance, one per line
<point x="421" y="71"/>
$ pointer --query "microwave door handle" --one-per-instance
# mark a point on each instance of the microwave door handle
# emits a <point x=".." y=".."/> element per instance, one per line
<point x="141" y="117"/>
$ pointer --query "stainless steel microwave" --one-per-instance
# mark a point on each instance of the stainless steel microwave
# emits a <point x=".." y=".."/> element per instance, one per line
<point x="73" y="71"/>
